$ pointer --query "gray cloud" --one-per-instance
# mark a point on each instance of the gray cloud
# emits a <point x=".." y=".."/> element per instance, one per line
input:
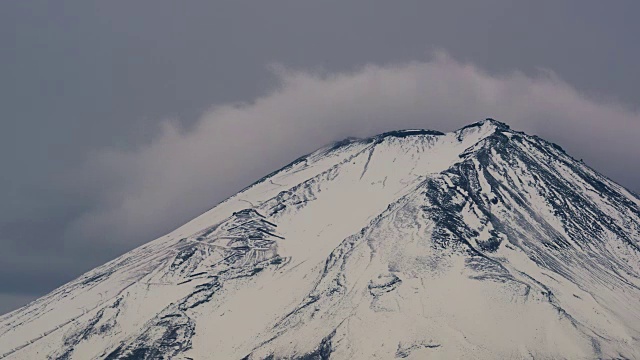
<point x="182" y="172"/>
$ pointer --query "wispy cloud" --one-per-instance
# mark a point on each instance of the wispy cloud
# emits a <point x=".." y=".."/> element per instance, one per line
<point x="143" y="193"/>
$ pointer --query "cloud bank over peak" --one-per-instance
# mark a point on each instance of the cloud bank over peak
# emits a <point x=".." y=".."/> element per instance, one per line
<point x="141" y="194"/>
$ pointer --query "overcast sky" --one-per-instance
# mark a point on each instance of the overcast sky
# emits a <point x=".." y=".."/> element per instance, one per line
<point x="122" y="120"/>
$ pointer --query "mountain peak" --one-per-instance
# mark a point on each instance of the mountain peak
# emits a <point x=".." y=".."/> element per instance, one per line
<point x="488" y="122"/>
<point x="497" y="123"/>
<point x="487" y="127"/>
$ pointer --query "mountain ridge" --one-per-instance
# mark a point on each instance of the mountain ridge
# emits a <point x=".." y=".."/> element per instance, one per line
<point x="407" y="244"/>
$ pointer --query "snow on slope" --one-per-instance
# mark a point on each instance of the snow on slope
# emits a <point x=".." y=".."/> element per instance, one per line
<point x="481" y="243"/>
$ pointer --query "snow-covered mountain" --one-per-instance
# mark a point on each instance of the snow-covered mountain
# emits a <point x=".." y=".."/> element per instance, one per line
<point x="483" y="243"/>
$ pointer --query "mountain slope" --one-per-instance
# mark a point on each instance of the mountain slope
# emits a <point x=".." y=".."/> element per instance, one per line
<point x="484" y="243"/>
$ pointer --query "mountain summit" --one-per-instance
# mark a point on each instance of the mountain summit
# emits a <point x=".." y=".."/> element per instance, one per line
<point x="483" y="243"/>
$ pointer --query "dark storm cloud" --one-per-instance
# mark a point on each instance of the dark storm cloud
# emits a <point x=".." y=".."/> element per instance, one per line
<point x="90" y="171"/>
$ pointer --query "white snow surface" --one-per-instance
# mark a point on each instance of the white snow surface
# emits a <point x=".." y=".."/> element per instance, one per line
<point x="483" y="243"/>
